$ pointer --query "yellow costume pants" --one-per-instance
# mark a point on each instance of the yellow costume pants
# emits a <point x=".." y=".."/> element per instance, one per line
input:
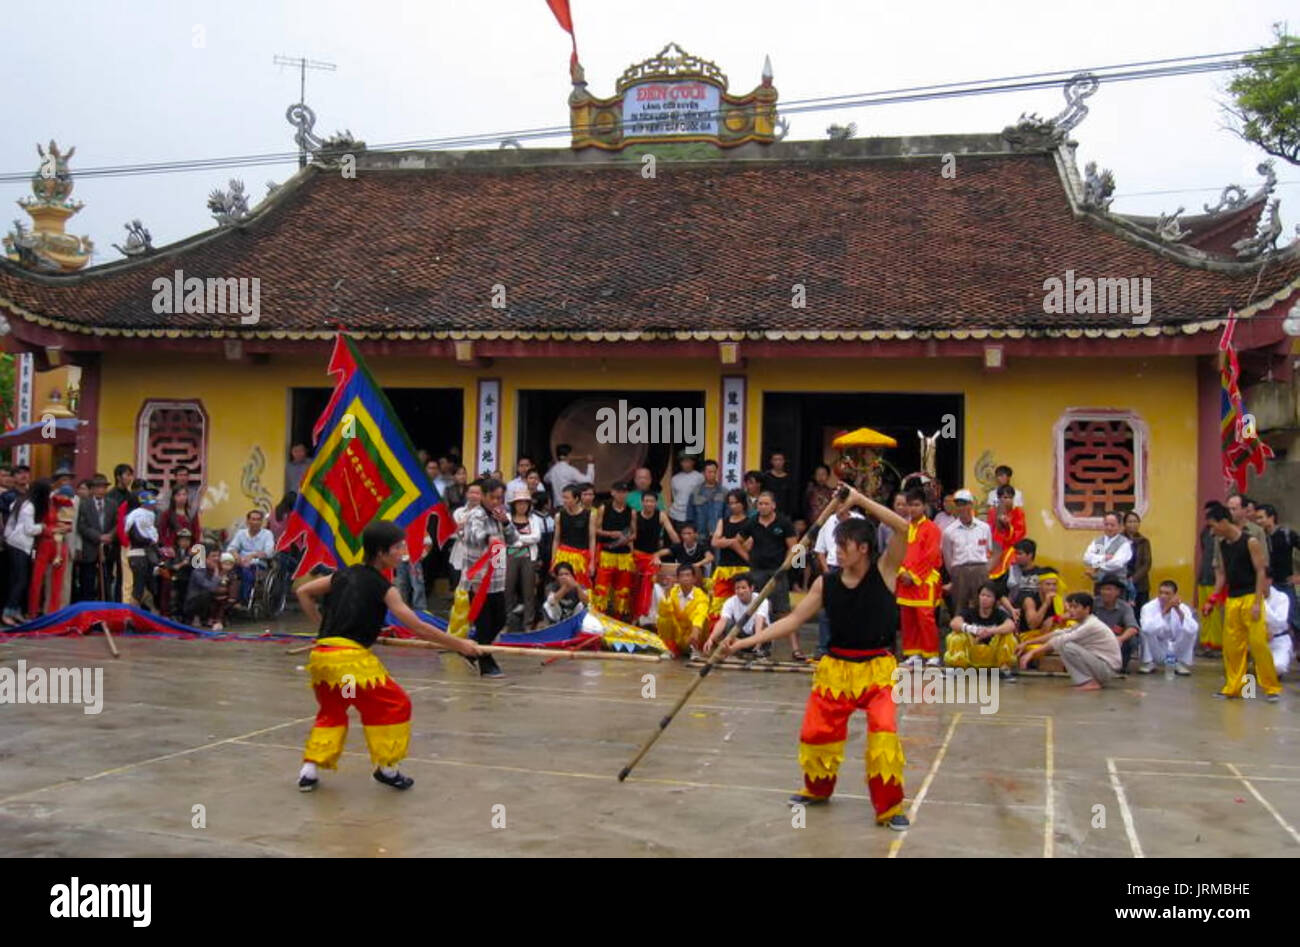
<point x="1241" y="635"/>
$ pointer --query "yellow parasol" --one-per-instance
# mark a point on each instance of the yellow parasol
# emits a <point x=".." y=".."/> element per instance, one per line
<point x="863" y="437"/>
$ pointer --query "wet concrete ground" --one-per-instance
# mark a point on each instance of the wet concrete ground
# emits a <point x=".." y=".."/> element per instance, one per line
<point x="1149" y="766"/>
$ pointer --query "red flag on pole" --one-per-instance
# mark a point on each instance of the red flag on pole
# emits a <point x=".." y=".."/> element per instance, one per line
<point x="561" y="10"/>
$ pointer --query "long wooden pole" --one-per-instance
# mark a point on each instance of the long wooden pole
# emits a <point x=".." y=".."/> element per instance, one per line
<point x="532" y="652"/>
<point x="733" y="628"/>
<point x="108" y="637"/>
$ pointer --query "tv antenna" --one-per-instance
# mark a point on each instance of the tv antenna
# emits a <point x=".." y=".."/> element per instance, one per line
<point x="303" y="65"/>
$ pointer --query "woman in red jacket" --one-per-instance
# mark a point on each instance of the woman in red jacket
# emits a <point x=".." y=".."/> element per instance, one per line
<point x="174" y="519"/>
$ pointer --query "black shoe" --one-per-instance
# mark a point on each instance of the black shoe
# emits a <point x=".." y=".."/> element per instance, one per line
<point x="307" y="784"/>
<point x="488" y="667"/>
<point x="898" y="823"/>
<point x="397" y="781"/>
<point x="799" y="799"/>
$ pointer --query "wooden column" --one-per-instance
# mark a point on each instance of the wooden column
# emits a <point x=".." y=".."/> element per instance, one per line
<point x="88" y="410"/>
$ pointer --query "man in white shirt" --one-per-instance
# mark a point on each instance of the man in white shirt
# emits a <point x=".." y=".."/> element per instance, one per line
<point x="252" y="547"/>
<point x="562" y="473"/>
<point x="1002" y="478"/>
<point x="683" y="485"/>
<point x="520" y="482"/>
<point x="966" y="547"/>
<point x="733" y="609"/>
<point x="1167" y="627"/>
<point x="1108" y="554"/>
<point x="1089" y="649"/>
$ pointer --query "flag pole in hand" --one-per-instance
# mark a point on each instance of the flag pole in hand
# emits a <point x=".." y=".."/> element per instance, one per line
<point x="733" y="627"/>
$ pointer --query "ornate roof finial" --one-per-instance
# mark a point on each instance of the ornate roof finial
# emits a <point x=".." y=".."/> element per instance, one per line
<point x="322" y="151"/>
<point x="1263" y="241"/>
<point x="1168" y="227"/>
<point x="767" y="70"/>
<point x="138" y="240"/>
<point x="229" y="207"/>
<point x="841" y="132"/>
<point x="1097" y="188"/>
<point x="1034" y="133"/>
<point x="46" y="246"/>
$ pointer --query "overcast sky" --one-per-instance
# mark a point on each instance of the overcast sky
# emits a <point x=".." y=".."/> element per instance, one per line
<point x="135" y="81"/>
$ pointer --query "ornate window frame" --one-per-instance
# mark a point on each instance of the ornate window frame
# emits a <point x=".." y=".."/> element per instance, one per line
<point x="1141" y="445"/>
<point x="142" y="421"/>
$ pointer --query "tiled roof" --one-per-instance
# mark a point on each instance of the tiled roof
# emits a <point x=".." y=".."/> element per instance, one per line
<point x="882" y="245"/>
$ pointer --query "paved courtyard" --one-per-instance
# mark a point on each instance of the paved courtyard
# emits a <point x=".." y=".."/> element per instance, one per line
<point x="1150" y="767"/>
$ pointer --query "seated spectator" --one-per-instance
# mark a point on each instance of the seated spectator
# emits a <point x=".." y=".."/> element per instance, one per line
<point x="565" y="596"/>
<point x="1021" y="582"/>
<point x="733" y="610"/>
<point x="662" y="586"/>
<point x="1277" y="614"/>
<point x="252" y="548"/>
<point x="174" y="575"/>
<point x="983" y="636"/>
<point x="1168" y="627"/>
<point x="210" y="591"/>
<point x="690" y="550"/>
<point x="1108" y="554"/>
<point x="682" y="614"/>
<point x="1111" y="608"/>
<point x="1089" y="649"/>
<point x="1046" y="611"/>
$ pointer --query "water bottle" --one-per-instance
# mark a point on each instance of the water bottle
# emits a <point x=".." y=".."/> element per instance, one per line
<point x="1169" y="665"/>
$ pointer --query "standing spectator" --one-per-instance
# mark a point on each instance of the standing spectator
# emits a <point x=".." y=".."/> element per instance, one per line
<point x="44" y="548"/>
<point x="487" y="527"/>
<point x="562" y="473"/>
<point x="1007" y="524"/>
<point x="142" y="552"/>
<point x="1108" y="555"/>
<point x="683" y="486"/>
<point x="180" y="480"/>
<point x="1241" y="581"/>
<point x="708" y="502"/>
<point x="1212" y="620"/>
<point x="521" y="561"/>
<point x="1168" y="627"/>
<point x="454" y="497"/>
<point x="946" y="515"/>
<point x="1139" y="565"/>
<point x="783" y="487"/>
<point x="61" y="523"/>
<point x="96" y="524"/>
<point x="408" y="577"/>
<point x="966" y="547"/>
<point x="536" y="491"/>
<point x="1281" y="564"/>
<point x="458" y="622"/>
<point x="176" y="518"/>
<point x="21" y="531"/>
<point x="819" y="492"/>
<point x="442" y="472"/>
<point x="772" y="535"/>
<point x="753" y="485"/>
<point x="1002" y="475"/>
<point x="828" y="561"/>
<point x="883" y="531"/>
<point x="252" y="548"/>
<point x="296" y="468"/>
<point x="520" y="479"/>
<point x="732" y="549"/>
<point x="642" y="483"/>
<point x="122" y="498"/>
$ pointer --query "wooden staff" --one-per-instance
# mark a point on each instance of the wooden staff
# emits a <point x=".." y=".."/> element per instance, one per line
<point x="108" y="637"/>
<point x="306" y="647"/>
<point x="535" y="652"/>
<point x="783" y="668"/>
<point x="733" y="627"/>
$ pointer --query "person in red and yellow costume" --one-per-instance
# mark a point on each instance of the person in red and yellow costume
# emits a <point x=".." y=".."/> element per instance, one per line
<point x="1007" y="524"/>
<point x="615" y="569"/>
<point x="859" y="669"/>
<point x="919" y="583"/>
<point x="683" y="613"/>
<point x="345" y="673"/>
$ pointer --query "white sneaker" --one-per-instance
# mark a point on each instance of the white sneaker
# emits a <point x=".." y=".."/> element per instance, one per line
<point x="913" y="661"/>
<point x="1146" y="668"/>
<point x="1182" y="670"/>
<point x="932" y="662"/>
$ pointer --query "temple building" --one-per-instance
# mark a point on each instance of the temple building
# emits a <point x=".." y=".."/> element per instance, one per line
<point x="683" y="253"/>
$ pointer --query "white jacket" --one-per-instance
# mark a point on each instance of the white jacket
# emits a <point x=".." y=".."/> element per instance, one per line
<point x="21" y="530"/>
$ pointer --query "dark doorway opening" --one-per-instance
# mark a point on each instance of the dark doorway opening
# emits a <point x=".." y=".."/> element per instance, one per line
<point x="803" y="425"/>
<point x="432" y="417"/>
<point x="548" y="418"/>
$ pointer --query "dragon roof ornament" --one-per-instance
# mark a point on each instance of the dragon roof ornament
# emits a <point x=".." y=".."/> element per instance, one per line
<point x="1032" y="132"/>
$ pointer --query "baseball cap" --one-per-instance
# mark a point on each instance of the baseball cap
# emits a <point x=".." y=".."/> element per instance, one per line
<point x="963" y="496"/>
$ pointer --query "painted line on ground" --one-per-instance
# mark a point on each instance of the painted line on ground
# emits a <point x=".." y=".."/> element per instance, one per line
<point x="1124" y="812"/>
<point x="1264" y="802"/>
<point x="897" y="845"/>
<point x="1049" y="810"/>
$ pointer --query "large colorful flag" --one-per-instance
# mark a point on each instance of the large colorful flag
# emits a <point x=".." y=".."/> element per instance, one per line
<point x="561" y="10"/>
<point x="1240" y="443"/>
<point x="365" y="469"/>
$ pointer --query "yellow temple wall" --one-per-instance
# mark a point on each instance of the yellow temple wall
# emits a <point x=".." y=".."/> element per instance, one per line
<point x="1010" y="412"/>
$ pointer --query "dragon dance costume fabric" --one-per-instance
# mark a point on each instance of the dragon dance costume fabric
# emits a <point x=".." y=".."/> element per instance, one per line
<point x="857" y="674"/>
<point x="917" y="590"/>
<point x="681" y="616"/>
<point x="347" y="674"/>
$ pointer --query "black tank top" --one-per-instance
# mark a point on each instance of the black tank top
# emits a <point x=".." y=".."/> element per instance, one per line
<point x="575" y="529"/>
<point x="863" y="618"/>
<point x="649" y="533"/>
<point x="611" y="520"/>
<point x="354" y="606"/>
<point x="729" y="557"/>
<point x="1238" y="568"/>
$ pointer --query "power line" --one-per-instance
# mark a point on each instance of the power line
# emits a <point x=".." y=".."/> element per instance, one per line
<point x="1123" y="72"/>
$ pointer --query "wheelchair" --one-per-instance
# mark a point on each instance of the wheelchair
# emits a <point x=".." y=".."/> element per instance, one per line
<point x="270" y="591"/>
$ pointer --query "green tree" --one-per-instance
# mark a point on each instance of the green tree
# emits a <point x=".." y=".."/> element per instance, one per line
<point x="1265" y="108"/>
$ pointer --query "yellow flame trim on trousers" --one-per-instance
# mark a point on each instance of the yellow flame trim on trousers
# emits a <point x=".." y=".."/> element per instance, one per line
<point x="325" y="746"/>
<point x="835" y="677"/>
<point x="885" y="756"/>
<point x="821" y="760"/>
<point x="330" y="667"/>
<point x="388" y="743"/>
<point x="965" y="652"/>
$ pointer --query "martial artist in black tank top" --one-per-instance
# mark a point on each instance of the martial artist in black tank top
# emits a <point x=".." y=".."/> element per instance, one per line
<point x="862" y="618"/>
<point x="615" y="521"/>
<point x="649" y="533"/>
<point x="574" y="528"/>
